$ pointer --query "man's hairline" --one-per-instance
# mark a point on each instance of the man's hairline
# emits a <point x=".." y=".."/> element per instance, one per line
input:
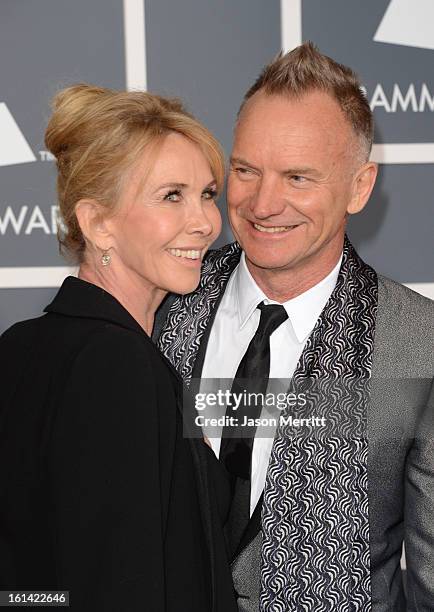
<point x="361" y="157"/>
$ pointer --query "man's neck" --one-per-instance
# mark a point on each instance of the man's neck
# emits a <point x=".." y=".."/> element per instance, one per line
<point x="285" y="284"/>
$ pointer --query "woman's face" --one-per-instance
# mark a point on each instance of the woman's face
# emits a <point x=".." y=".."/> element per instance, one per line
<point x="166" y="222"/>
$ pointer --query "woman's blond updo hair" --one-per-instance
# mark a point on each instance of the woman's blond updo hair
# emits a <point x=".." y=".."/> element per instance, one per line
<point x="96" y="134"/>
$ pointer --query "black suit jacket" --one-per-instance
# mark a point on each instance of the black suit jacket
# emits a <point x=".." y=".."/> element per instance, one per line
<point x="100" y="493"/>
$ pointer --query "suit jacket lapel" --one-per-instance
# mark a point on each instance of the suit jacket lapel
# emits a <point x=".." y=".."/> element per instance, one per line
<point x="253" y="528"/>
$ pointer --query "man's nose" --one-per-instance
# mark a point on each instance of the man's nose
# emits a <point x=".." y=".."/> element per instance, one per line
<point x="268" y="199"/>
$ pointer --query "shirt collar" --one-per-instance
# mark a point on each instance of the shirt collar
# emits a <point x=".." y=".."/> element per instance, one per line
<point x="247" y="292"/>
<point x="303" y="311"/>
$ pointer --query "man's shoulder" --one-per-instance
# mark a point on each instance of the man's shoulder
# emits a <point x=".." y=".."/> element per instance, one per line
<point x="404" y="331"/>
<point x="403" y="302"/>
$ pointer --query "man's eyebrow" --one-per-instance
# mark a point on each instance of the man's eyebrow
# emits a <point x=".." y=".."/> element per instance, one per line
<point x="301" y="170"/>
<point x="242" y="162"/>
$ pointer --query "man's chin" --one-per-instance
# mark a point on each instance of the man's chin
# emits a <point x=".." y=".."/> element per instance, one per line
<point x="270" y="257"/>
<point x="268" y="262"/>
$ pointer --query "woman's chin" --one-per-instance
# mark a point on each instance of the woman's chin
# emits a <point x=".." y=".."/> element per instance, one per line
<point x="186" y="288"/>
<point x="183" y="285"/>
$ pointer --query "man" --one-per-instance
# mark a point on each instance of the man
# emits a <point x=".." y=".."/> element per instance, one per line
<point x="326" y="517"/>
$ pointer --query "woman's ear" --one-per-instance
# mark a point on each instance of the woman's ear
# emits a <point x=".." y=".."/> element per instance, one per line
<point x="363" y="185"/>
<point x="94" y="224"/>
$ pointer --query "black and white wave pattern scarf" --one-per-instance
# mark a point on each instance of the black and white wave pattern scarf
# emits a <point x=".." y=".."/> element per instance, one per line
<point x="315" y="549"/>
<point x="189" y="315"/>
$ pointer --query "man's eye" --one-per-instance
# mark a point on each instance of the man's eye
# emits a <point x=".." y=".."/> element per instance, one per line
<point x="209" y="194"/>
<point x="174" y="195"/>
<point x="242" y="172"/>
<point x="297" y="178"/>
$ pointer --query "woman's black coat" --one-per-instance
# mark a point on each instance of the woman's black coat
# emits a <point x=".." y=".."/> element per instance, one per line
<point x="100" y="493"/>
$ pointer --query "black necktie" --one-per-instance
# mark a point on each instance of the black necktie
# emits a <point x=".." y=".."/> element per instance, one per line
<point x="237" y="443"/>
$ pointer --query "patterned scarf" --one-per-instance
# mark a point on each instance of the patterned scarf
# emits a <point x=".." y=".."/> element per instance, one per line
<point x="189" y="315"/>
<point x="315" y="547"/>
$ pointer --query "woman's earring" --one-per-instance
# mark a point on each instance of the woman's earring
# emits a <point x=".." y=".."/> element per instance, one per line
<point x="105" y="258"/>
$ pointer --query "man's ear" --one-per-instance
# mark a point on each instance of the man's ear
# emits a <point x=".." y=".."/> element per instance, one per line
<point x="363" y="184"/>
<point x="93" y="223"/>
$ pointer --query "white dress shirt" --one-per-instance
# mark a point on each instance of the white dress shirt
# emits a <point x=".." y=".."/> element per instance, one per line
<point x="234" y="326"/>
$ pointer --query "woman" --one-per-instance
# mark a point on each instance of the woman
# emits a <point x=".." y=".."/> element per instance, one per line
<point x="100" y="493"/>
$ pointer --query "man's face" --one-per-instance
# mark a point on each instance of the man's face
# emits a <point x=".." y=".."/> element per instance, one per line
<point x="291" y="180"/>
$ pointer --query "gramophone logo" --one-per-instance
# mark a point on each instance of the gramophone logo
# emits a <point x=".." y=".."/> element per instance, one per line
<point x="25" y="220"/>
<point x="408" y="23"/>
<point x="14" y="148"/>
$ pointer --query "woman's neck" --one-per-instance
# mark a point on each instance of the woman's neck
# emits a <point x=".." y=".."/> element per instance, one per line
<point x="139" y="297"/>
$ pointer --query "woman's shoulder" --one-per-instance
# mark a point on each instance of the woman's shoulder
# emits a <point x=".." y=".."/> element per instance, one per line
<point x="21" y="336"/>
<point x="119" y="342"/>
<point x="52" y="328"/>
<point x="105" y="342"/>
<point x="129" y="358"/>
<point x="58" y="340"/>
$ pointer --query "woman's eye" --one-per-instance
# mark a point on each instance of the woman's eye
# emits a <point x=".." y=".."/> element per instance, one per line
<point x="173" y="196"/>
<point x="209" y="194"/>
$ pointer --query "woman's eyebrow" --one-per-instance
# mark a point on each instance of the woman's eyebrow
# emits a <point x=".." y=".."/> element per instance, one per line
<point x="172" y="185"/>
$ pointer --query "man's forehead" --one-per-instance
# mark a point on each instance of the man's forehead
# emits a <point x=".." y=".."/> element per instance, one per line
<point x="291" y="121"/>
<point x="315" y="103"/>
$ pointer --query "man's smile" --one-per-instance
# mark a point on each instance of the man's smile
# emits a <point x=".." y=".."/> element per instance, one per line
<point x="273" y="229"/>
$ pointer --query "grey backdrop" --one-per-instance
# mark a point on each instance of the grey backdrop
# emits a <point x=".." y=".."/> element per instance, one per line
<point x="207" y="52"/>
